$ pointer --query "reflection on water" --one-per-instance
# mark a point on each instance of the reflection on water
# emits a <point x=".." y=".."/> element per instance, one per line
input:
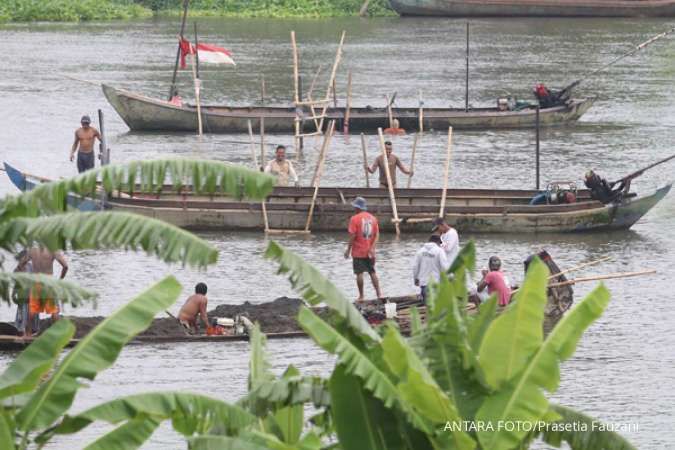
<point x="621" y="372"/>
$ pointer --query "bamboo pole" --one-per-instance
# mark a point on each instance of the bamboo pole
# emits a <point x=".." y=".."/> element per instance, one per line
<point x="348" y="105"/>
<point x="392" y="197"/>
<point x="309" y="96"/>
<point x="197" y="83"/>
<point x="296" y="95"/>
<point x="255" y="163"/>
<point x="319" y="172"/>
<point x="609" y="276"/>
<point x="579" y="267"/>
<point x="412" y="159"/>
<point x="420" y="114"/>
<point x="331" y="80"/>
<point x="262" y="122"/>
<point x="364" y="149"/>
<point x="182" y="31"/>
<point x="390" y="114"/>
<point x="441" y="213"/>
<point x="364" y="8"/>
<point x="252" y="144"/>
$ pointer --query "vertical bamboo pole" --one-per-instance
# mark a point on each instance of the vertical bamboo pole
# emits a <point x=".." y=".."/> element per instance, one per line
<point x="392" y="197"/>
<point x="197" y="88"/>
<point x="334" y="94"/>
<point x="319" y="172"/>
<point x="348" y="106"/>
<point x="262" y="122"/>
<point x="296" y="95"/>
<point x="331" y="80"/>
<point x="446" y="174"/>
<point x="365" y="159"/>
<point x="255" y="163"/>
<point x="412" y="158"/>
<point x="182" y="31"/>
<point x="537" y="145"/>
<point x="466" y="93"/>
<point x="420" y="114"/>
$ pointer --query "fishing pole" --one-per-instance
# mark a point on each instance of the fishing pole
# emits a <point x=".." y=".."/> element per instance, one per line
<point x="616" y="60"/>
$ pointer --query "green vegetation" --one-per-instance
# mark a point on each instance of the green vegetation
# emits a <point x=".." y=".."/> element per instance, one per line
<point x="87" y="10"/>
<point x="385" y="391"/>
<point x="69" y="10"/>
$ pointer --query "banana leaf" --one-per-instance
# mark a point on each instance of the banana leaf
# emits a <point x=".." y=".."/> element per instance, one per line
<point x="128" y="436"/>
<point x="62" y="290"/>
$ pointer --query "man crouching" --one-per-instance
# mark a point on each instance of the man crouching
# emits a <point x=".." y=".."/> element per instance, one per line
<point x="194" y="307"/>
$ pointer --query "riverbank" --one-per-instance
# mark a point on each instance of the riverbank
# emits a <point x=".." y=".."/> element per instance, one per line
<point x="106" y="10"/>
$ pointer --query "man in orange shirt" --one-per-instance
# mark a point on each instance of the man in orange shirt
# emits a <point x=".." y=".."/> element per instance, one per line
<point x="363" y="234"/>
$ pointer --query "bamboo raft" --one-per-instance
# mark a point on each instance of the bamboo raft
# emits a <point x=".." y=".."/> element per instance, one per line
<point x="142" y="113"/>
<point x="288" y="208"/>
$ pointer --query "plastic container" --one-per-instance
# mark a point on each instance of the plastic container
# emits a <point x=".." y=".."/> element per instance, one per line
<point x="225" y="322"/>
<point x="390" y="310"/>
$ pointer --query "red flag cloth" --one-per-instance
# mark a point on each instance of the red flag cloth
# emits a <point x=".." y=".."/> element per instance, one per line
<point x="208" y="53"/>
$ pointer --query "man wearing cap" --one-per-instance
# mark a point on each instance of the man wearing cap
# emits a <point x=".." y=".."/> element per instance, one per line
<point x="394" y="162"/>
<point x="363" y="234"/>
<point x="449" y="238"/>
<point x="85" y="137"/>
<point x="496" y="282"/>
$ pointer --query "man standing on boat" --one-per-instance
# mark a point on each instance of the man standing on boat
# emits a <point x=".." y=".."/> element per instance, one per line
<point x="364" y="232"/>
<point x="85" y="137"/>
<point x="496" y="282"/>
<point x="394" y="162"/>
<point x="281" y="168"/>
<point x="449" y="239"/>
<point x="430" y="262"/>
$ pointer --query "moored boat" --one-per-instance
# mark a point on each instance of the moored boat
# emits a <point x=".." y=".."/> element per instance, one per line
<point x="541" y="8"/>
<point x="287" y="208"/>
<point x="142" y="113"/>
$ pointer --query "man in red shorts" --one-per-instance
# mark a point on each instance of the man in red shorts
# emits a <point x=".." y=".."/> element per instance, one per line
<point x="363" y="234"/>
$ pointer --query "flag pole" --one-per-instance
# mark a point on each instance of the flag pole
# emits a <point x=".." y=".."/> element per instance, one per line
<point x="182" y="31"/>
<point x="197" y="85"/>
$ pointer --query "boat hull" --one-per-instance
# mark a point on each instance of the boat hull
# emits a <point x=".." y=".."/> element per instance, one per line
<point x="468" y="210"/>
<point x="142" y="113"/>
<point x="536" y="8"/>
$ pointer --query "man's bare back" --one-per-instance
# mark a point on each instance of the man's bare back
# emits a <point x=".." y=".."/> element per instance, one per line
<point x="193" y="308"/>
<point x="43" y="261"/>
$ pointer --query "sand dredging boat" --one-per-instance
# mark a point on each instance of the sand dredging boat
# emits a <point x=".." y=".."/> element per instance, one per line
<point x="277" y="318"/>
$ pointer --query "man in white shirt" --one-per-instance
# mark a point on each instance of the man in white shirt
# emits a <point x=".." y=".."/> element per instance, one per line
<point x="430" y="262"/>
<point x="449" y="238"/>
<point x="281" y="168"/>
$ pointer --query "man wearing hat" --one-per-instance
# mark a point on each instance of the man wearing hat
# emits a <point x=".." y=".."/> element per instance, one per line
<point x="85" y="137"/>
<point x="363" y="234"/>
<point x="496" y="282"/>
<point x="449" y="238"/>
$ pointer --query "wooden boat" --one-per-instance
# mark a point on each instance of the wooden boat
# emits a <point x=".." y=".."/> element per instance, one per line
<point x="468" y="210"/>
<point x="543" y="8"/>
<point x="143" y="113"/>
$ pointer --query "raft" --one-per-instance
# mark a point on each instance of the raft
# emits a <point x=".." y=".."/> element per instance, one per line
<point x="142" y="113"/>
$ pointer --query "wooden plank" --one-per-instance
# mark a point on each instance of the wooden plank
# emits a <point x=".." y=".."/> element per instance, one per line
<point x="441" y="213"/>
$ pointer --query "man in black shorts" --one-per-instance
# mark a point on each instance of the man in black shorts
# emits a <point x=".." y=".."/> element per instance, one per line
<point x="85" y="137"/>
<point x="363" y="234"/>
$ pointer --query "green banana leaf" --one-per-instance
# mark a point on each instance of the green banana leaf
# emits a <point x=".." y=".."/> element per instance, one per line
<point x="106" y="230"/>
<point x="316" y="289"/>
<point x="97" y="351"/>
<point x="418" y="388"/>
<point x="363" y="422"/>
<point x="290" y="419"/>
<point x="583" y="432"/>
<point x="6" y="431"/>
<point x="189" y="413"/>
<point x="522" y="399"/>
<point x="224" y="443"/>
<point x="26" y="371"/>
<point x="128" y="436"/>
<point x="479" y="324"/>
<point x="516" y="335"/>
<point x="296" y="390"/>
<point x="62" y="290"/>
<point x="259" y="367"/>
<point x="200" y="176"/>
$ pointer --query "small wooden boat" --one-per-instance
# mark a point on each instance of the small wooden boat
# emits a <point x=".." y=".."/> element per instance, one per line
<point x="142" y="113"/>
<point x="543" y="8"/>
<point x="468" y="210"/>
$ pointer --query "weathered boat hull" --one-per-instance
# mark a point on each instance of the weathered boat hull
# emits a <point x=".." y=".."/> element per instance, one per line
<point x="537" y="8"/>
<point x="468" y="210"/>
<point x="142" y="113"/>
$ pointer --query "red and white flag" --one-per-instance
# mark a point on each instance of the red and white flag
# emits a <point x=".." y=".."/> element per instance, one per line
<point x="208" y="53"/>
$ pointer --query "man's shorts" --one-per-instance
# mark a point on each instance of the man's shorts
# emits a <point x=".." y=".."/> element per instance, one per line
<point x="85" y="161"/>
<point x="37" y="306"/>
<point x="363" y="265"/>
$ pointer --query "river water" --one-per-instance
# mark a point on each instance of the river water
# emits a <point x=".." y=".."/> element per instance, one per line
<point x="622" y="372"/>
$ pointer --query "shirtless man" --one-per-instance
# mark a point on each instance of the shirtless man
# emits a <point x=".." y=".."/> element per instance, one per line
<point x="194" y="307"/>
<point x="42" y="261"/>
<point x="394" y="162"/>
<point x="85" y="137"/>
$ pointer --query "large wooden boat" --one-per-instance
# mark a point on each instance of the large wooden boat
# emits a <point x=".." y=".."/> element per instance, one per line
<point x="468" y="210"/>
<point x="143" y="113"/>
<point x="543" y="8"/>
